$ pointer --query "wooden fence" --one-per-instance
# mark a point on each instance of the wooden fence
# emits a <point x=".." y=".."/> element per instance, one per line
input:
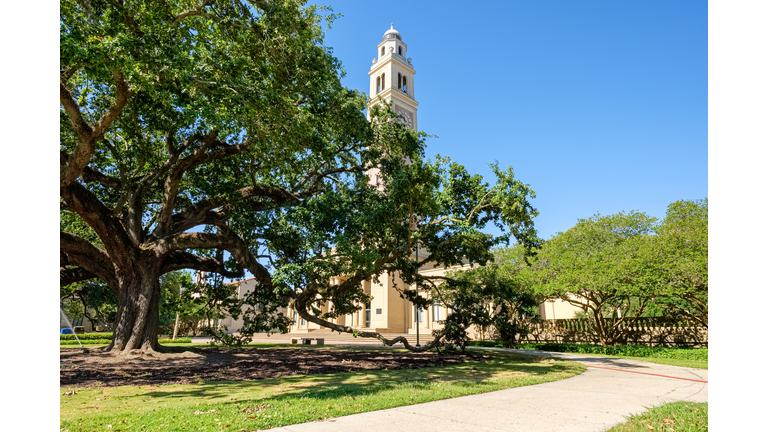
<point x="653" y="331"/>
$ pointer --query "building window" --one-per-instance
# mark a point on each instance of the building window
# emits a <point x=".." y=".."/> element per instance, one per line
<point x="383" y="81"/>
<point x="303" y="321"/>
<point x="295" y="318"/>
<point x="382" y="51"/>
<point x="400" y="50"/>
<point x="405" y="85"/>
<point x="368" y="315"/>
<point x="399" y="81"/>
<point x="378" y="84"/>
<point x="435" y="311"/>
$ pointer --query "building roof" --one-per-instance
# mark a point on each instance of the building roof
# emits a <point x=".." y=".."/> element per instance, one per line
<point x="239" y="281"/>
<point x="392" y="32"/>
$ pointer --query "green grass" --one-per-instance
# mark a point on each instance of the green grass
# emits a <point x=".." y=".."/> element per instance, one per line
<point x="676" y="416"/>
<point x="698" y="364"/>
<point x="261" y="404"/>
<point x="685" y="357"/>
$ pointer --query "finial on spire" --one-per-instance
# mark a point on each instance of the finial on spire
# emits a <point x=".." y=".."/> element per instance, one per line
<point x="392" y="26"/>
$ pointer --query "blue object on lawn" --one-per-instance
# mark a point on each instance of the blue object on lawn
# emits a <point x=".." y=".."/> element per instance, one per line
<point x="66" y="331"/>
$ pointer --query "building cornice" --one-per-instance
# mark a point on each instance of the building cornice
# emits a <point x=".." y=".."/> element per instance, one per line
<point x="388" y="40"/>
<point x="392" y="58"/>
<point x="393" y="94"/>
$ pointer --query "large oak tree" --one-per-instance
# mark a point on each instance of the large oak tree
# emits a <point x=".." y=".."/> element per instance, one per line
<point x="216" y="136"/>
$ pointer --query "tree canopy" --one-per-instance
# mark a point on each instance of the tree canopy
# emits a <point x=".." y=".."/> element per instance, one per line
<point x="620" y="267"/>
<point x="216" y="136"/>
<point x="595" y="265"/>
<point x="678" y="261"/>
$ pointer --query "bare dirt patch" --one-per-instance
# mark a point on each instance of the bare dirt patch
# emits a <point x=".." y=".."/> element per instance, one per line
<point x="83" y="367"/>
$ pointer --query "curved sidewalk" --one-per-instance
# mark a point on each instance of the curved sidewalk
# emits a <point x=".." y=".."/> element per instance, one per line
<point x="596" y="400"/>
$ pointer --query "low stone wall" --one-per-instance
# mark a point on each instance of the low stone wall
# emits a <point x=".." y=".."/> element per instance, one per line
<point x="648" y="331"/>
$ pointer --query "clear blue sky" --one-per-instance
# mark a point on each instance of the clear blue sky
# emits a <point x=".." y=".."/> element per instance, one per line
<point x="601" y="106"/>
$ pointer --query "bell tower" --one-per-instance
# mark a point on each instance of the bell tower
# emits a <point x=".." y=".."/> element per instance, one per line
<point x="392" y="77"/>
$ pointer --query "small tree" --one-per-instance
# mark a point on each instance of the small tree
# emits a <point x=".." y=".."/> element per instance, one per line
<point x="491" y="295"/>
<point x="91" y="299"/>
<point x="597" y="265"/>
<point x="677" y="261"/>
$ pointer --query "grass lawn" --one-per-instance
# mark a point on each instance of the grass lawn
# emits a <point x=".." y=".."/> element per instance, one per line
<point x="673" y="357"/>
<point x="261" y="404"/>
<point x="700" y="364"/>
<point x="676" y="416"/>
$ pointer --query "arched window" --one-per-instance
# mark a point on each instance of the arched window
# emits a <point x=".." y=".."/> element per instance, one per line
<point x="382" y="51"/>
<point x="383" y="82"/>
<point x="378" y="84"/>
<point x="400" y="50"/>
<point x="399" y="81"/>
<point x="405" y="85"/>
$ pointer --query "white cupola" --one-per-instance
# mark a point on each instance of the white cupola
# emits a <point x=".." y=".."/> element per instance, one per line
<point x="392" y="43"/>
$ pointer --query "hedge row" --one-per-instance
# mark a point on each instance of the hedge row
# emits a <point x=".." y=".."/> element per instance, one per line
<point x="624" y="350"/>
<point x="86" y="336"/>
<point x="90" y="341"/>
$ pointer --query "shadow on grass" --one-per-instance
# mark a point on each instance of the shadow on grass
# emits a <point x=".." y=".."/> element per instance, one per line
<point x="588" y="359"/>
<point x="369" y="383"/>
<point x="272" y="402"/>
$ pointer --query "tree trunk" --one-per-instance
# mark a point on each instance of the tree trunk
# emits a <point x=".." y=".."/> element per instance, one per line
<point x="137" y="322"/>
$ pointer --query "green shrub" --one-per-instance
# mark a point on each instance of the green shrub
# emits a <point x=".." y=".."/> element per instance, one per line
<point x="486" y="344"/>
<point x="107" y="341"/>
<point x="86" y="342"/>
<point x="86" y="336"/>
<point x="623" y="350"/>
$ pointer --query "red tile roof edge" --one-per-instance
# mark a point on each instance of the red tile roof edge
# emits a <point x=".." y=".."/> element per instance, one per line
<point x="238" y="281"/>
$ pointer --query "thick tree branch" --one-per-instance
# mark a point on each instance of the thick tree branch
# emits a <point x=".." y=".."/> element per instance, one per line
<point x="196" y="11"/>
<point x="81" y="127"/>
<point x="179" y="260"/>
<point x="198" y="157"/>
<point x="202" y="212"/>
<point x="70" y="275"/>
<point x="224" y="239"/>
<point x="110" y="230"/>
<point x="91" y="175"/>
<point x="82" y="253"/>
<point x="87" y="135"/>
<point x="320" y="176"/>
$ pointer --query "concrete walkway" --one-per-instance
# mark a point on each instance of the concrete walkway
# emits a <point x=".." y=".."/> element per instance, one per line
<point x="594" y="401"/>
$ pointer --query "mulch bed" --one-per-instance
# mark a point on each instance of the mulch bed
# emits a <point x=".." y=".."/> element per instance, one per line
<point x="83" y="367"/>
